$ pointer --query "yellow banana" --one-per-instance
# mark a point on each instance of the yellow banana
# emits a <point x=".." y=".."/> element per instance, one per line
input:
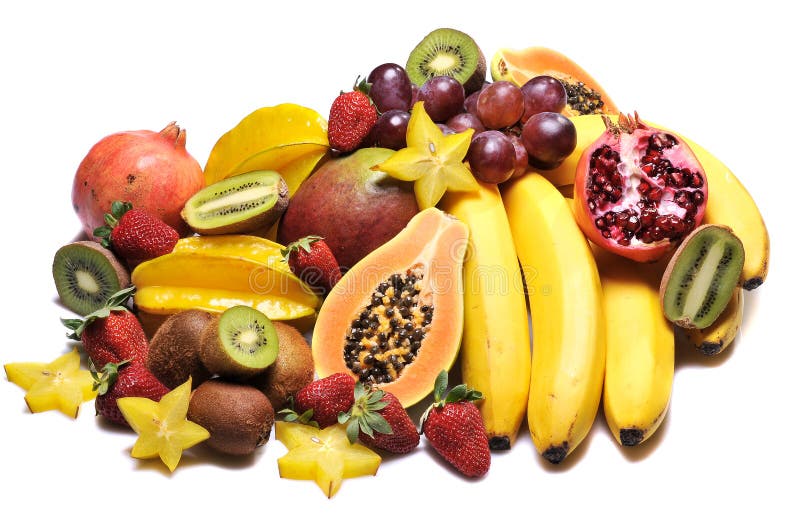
<point x="716" y="338"/>
<point x="640" y="348"/>
<point x="495" y="347"/>
<point x="729" y="202"/>
<point x="565" y="297"/>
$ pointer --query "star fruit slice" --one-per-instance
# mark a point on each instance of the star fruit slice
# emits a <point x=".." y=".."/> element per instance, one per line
<point x="433" y="160"/>
<point x="162" y="426"/>
<point x="325" y="456"/>
<point x="57" y="385"/>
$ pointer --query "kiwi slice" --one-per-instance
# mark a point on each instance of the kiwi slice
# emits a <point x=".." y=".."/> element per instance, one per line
<point x="239" y="343"/>
<point x="701" y="277"/>
<point x="292" y="370"/>
<point x="238" y="417"/>
<point x="448" y="52"/>
<point x="86" y="275"/>
<point x="237" y="204"/>
<point x="174" y="353"/>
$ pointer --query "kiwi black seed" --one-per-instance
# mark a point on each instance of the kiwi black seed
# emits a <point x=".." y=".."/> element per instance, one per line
<point x="174" y="353"/>
<point x="292" y="370"/>
<point x="701" y="277"/>
<point x="238" y="204"/>
<point x="448" y="52"/>
<point x="238" y="417"/>
<point x="86" y="275"/>
<point x="239" y="343"/>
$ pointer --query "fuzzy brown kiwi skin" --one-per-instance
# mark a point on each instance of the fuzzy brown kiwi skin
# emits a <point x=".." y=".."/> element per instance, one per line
<point x="238" y="417"/>
<point x="685" y="323"/>
<point x="216" y="360"/>
<point x="174" y="353"/>
<point x="291" y="371"/>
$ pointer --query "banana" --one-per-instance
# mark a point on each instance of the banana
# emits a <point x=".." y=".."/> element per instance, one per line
<point x="640" y="348"/>
<point x="563" y="287"/>
<point x="495" y="347"/>
<point x="729" y="202"/>
<point x="716" y="338"/>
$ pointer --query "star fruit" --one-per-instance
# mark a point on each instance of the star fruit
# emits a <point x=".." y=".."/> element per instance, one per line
<point x="433" y="160"/>
<point x="325" y="456"/>
<point x="162" y="426"/>
<point x="57" y="385"/>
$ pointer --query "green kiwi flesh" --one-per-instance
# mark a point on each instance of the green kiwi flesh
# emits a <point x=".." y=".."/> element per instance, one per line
<point x="174" y="353"/>
<point x="448" y="52"/>
<point x="702" y="276"/>
<point x="292" y="370"/>
<point x="238" y="417"/>
<point x="237" y="204"/>
<point x="86" y="274"/>
<point x="239" y="343"/>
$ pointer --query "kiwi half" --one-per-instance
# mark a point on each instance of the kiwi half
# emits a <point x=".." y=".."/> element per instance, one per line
<point x="174" y="353"/>
<point x="237" y="204"/>
<point x="701" y="277"/>
<point x="292" y="370"/>
<point x="238" y="417"/>
<point x="86" y="275"/>
<point x="448" y="52"/>
<point x="239" y="343"/>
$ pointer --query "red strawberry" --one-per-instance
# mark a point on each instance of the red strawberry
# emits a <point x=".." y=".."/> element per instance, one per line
<point x="312" y="260"/>
<point x="124" y="380"/>
<point x="327" y="398"/>
<point x="454" y="427"/>
<point x="136" y="235"/>
<point x="111" y="333"/>
<point x="380" y="421"/>
<point x="351" y="119"/>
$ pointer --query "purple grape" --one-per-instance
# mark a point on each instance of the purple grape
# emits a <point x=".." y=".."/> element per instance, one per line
<point x="500" y="105"/>
<point x="491" y="157"/>
<point x="548" y="138"/>
<point x="471" y="103"/>
<point x="541" y="94"/>
<point x="463" y="121"/>
<point x="390" y="130"/>
<point x="521" y="162"/>
<point x="443" y="97"/>
<point x="444" y="128"/>
<point x="391" y="88"/>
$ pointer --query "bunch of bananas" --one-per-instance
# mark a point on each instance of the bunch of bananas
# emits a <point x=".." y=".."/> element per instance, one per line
<point x="597" y="327"/>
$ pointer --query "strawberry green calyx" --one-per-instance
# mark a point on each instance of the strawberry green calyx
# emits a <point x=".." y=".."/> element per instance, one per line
<point x="362" y="85"/>
<point x="442" y="397"/>
<point x="291" y="416"/>
<point x="364" y="415"/>
<point x="118" y="210"/>
<point x="115" y="302"/>
<point x="302" y="243"/>
<point x="105" y="378"/>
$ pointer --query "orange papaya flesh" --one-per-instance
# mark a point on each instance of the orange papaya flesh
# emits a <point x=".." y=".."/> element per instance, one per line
<point x="395" y="319"/>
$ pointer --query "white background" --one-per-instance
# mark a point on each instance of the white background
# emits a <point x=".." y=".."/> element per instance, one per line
<point x="73" y="72"/>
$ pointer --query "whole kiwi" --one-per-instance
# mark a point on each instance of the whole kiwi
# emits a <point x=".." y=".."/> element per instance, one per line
<point x="292" y="370"/>
<point x="238" y="417"/>
<point x="174" y="353"/>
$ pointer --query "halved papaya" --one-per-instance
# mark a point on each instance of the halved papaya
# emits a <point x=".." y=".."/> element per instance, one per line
<point x="584" y="94"/>
<point x="395" y="319"/>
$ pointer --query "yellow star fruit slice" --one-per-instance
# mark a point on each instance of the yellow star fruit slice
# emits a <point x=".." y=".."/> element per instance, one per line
<point x="58" y="385"/>
<point x="325" y="456"/>
<point x="433" y="160"/>
<point x="162" y="426"/>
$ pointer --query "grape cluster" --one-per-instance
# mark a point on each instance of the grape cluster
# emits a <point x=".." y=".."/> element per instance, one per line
<point x="514" y="127"/>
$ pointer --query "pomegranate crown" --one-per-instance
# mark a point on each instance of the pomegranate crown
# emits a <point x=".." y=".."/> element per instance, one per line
<point x="625" y="124"/>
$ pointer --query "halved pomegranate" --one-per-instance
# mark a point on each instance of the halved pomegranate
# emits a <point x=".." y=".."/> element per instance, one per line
<point x="639" y="190"/>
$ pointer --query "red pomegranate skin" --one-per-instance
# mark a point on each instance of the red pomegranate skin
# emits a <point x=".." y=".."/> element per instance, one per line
<point x="152" y="170"/>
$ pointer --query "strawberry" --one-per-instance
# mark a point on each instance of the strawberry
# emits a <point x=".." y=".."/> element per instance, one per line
<point x="454" y="427"/>
<point x="327" y="398"/>
<point x="111" y="333"/>
<point x="123" y="379"/>
<point x="351" y="118"/>
<point x="312" y="260"/>
<point x="136" y="235"/>
<point x="380" y="421"/>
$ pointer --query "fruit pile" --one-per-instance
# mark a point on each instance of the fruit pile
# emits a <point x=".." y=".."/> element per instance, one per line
<point x="407" y="231"/>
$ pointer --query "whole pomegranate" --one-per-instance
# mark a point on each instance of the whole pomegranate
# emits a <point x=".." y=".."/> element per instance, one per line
<point x="639" y="190"/>
<point x="152" y="170"/>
